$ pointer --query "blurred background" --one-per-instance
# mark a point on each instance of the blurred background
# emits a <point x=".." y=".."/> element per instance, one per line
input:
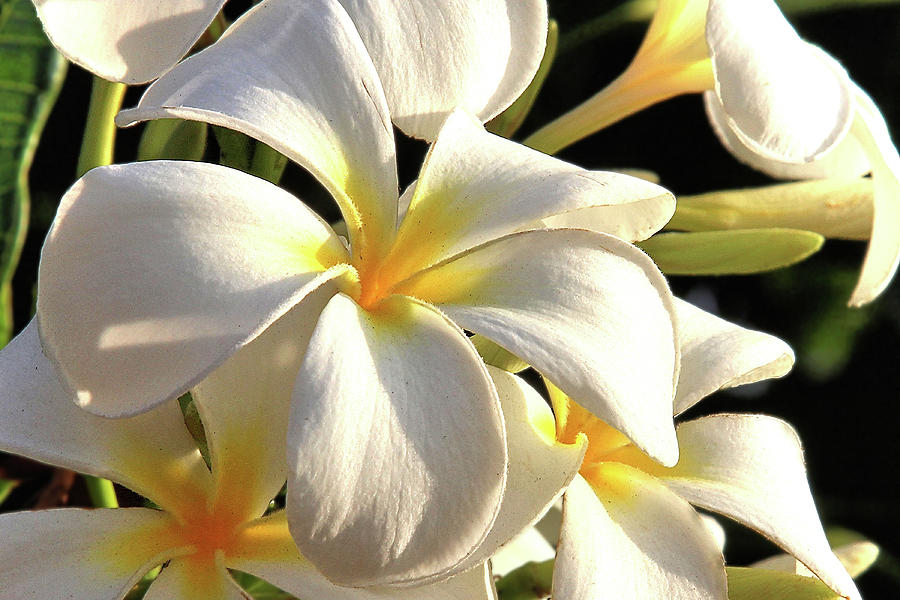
<point x="842" y="395"/>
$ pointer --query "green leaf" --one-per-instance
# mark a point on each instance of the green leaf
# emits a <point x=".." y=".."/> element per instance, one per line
<point x="241" y="152"/>
<point x="508" y="122"/>
<point x="531" y="581"/>
<point x="173" y="139"/>
<point x="746" y="583"/>
<point x="803" y="7"/>
<point x="737" y="252"/>
<point x="259" y="589"/>
<point x="835" y="208"/>
<point x="6" y="488"/>
<point x="496" y="356"/>
<point x="31" y="75"/>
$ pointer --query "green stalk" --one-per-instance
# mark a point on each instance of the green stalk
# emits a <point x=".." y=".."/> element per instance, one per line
<point x="101" y="491"/>
<point x="100" y="130"/>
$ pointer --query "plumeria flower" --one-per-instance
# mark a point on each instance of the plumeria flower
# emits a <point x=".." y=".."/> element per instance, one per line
<point x="155" y="273"/>
<point x="778" y="103"/>
<point x="476" y="54"/>
<point x="628" y="530"/>
<point x="212" y="519"/>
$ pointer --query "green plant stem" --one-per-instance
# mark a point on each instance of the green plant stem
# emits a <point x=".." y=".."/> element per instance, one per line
<point x="100" y="130"/>
<point x="101" y="491"/>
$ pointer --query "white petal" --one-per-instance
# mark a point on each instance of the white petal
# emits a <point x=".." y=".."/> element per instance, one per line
<point x="590" y="312"/>
<point x="297" y="77"/>
<point x="153" y="454"/>
<point x="192" y="579"/>
<point x="478" y="55"/>
<point x="540" y="468"/>
<point x="783" y="98"/>
<point x="628" y="537"/>
<point x="750" y="468"/>
<point x="77" y="553"/>
<point x="717" y="354"/>
<point x="245" y="406"/>
<point x="417" y="459"/>
<point x="266" y="549"/>
<point x="716" y="530"/>
<point x="154" y="272"/>
<point x="476" y="187"/>
<point x="123" y="40"/>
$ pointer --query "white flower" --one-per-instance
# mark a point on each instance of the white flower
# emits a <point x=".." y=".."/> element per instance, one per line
<point x="154" y="273"/>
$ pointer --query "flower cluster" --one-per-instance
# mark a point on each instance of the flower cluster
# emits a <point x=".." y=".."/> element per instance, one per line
<point x="360" y="431"/>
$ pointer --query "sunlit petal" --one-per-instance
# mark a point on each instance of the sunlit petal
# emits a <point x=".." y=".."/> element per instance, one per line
<point x="190" y="578"/>
<point x="750" y="468"/>
<point x="478" y="55"/>
<point x="123" y="40"/>
<point x="628" y="537"/>
<point x="78" y="553"/>
<point x="153" y="273"/>
<point x="296" y="76"/>
<point x="416" y="458"/>
<point x="590" y="312"/>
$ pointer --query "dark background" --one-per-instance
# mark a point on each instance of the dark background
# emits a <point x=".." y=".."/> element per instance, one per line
<point x="842" y="394"/>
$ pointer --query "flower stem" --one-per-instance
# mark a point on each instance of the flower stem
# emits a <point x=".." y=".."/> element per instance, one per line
<point x="101" y="491"/>
<point x="100" y="130"/>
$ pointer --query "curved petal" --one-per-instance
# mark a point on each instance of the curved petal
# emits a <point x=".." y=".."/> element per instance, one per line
<point x="528" y="546"/>
<point x="590" y="312"/>
<point x="94" y="554"/>
<point x="756" y="58"/>
<point x="191" y="579"/>
<point x="540" y="468"/>
<point x="417" y="453"/>
<point x="152" y="454"/>
<point x="296" y="76"/>
<point x="750" y="468"/>
<point x="266" y="549"/>
<point x="245" y="406"/>
<point x="717" y="354"/>
<point x="476" y="187"/>
<point x="123" y="40"/>
<point x="478" y="55"/>
<point x="626" y="536"/>
<point x="153" y="273"/>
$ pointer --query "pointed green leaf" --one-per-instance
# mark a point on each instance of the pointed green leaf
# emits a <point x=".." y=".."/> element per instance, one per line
<point x="835" y="208"/>
<point x="259" y="589"/>
<point x="31" y="74"/>
<point x="746" y="583"/>
<point x="738" y="252"/>
<point x="173" y="139"/>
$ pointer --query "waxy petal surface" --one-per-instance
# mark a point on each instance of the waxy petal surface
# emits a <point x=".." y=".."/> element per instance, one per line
<point x="79" y="553"/>
<point x="123" y="40"/>
<point x="153" y="273"/>
<point x="152" y="454"/>
<point x="266" y="549"/>
<point x="628" y="537"/>
<point x="416" y="461"/>
<point x="750" y="468"/>
<point x="588" y="311"/>
<point x="783" y="97"/>
<point x="478" y="55"/>
<point x="717" y="354"/>
<point x="476" y="186"/>
<point x="296" y="76"/>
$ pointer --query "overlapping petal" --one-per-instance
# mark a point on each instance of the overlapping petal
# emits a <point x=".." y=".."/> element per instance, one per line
<point x="211" y="257"/>
<point x="717" y="354"/>
<point x="588" y="311"/>
<point x="78" y="553"/>
<point x="476" y="186"/>
<point x="296" y="76"/>
<point x="478" y="55"/>
<point x="152" y="454"/>
<point x="416" y="453"/>
<point x="123" y="40"/>
<point x="750" y="468"/>
<point x="629" y="537"/>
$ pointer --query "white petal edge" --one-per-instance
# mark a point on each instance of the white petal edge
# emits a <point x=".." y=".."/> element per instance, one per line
<point x="633" y="539"/>
<point x="717" y="354"/>
<point x="478" y="55"/>
<point x="418" y="460"/>
<point x="154" y="273"/>
<point x="123" y="40"/>
<point x="750" y="468"/>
